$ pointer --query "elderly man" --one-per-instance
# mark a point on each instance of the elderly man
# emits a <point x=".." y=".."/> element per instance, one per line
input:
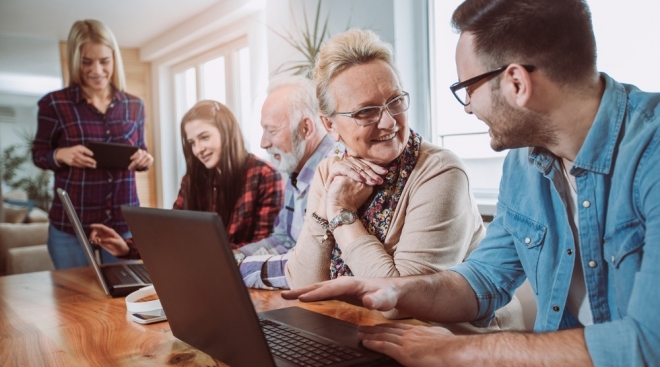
<point x="297" y="141"/>
<point x="578" y="212"/>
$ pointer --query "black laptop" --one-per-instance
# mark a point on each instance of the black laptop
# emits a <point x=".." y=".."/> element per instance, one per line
<point x="117" y="279"/>
<point x="208" y="306"/>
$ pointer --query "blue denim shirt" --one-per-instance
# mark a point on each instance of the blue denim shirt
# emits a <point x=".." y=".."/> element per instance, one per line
<point x="617" y="172"/>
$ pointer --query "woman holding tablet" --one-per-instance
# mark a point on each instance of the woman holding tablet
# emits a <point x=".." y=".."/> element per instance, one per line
<point x="94" y="107"/>
<point x="221" y="176"/>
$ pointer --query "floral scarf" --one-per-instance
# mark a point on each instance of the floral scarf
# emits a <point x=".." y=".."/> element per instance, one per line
<point x="376" y="214"/>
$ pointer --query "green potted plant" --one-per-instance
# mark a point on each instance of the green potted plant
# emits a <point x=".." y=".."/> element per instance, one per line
<point x="307" y="40"/>
<point x="15" y="158"/>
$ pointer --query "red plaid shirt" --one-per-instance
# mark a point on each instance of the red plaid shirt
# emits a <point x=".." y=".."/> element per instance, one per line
<point x="254" y="213"/>
<point x="66" y="119"/>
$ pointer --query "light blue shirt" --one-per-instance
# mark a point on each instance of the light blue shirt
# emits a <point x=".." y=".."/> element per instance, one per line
<point x="267" y="258"/>
<point x="617" y="172"/>
<point x="289" y="221"/>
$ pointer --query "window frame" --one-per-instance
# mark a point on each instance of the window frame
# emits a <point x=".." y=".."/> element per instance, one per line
<point x="233" y="91"/>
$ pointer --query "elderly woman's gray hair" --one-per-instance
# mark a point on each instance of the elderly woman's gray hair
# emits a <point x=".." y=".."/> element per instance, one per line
<point x="353" y="47"/>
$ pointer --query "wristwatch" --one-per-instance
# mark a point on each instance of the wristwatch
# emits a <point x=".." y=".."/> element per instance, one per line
<point x="345" y="217"/>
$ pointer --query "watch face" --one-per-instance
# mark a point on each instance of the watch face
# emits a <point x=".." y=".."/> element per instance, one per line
<point x="347" y="216"/>
<point x="344" y="217"/>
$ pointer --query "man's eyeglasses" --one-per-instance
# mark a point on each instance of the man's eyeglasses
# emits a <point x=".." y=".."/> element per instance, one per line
<point x="372" y="114"/>
<point x="461" y="91"/>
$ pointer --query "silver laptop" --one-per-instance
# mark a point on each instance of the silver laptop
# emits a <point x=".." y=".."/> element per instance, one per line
<point x="189" y="258"/>
<point x="117" y="279"/>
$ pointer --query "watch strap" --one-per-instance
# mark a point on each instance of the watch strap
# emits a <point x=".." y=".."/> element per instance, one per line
<point x="323" y="222"/>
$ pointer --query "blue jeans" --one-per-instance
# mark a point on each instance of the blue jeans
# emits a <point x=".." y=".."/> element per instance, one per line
<point x="66" y="251"/>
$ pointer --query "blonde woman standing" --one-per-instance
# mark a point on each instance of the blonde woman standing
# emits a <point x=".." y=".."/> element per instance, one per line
<point x="94" y="107"/>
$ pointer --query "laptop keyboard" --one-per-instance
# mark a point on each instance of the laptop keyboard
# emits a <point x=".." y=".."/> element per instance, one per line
<point x="290" y="344"/>
<point x="140" y="271"/>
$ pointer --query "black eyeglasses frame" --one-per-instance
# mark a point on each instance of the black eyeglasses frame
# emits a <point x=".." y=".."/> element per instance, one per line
<point x="464" y="84"/>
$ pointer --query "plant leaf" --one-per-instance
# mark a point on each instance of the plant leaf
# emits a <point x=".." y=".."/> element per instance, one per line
<point x="306" y="40"/>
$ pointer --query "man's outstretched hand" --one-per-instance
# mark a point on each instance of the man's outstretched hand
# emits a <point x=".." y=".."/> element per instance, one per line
<point x="373" y="293"/>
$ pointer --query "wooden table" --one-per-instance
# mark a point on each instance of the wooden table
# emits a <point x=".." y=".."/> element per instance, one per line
<point x="63" y="318"/>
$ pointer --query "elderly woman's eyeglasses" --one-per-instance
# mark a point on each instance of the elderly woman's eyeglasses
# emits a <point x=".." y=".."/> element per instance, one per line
<point x="461" y="91"/>
<point x="372" y="114"/>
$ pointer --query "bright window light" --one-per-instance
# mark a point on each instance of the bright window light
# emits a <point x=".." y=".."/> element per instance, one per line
<point x="625" y="52"/>
<point x="214" y="84"/>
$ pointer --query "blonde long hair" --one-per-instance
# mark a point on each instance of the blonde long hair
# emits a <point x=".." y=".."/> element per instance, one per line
<point x="84" y="32"/>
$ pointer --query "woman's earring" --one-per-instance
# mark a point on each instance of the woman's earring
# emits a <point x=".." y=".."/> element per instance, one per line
<point x="337" y="152"/>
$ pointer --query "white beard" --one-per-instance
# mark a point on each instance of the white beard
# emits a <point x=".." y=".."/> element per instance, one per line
<point x="289" y="161"/>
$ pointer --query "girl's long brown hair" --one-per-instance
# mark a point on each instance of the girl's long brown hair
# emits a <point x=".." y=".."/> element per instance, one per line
<point x="230" y="175"/>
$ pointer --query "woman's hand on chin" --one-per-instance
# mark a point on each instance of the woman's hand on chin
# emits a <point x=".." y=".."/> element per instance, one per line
<point x="346" y="193"/>
<point x="356" y="169"/>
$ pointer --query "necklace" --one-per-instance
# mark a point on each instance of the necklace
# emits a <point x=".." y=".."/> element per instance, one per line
<point x="568" y="177"/>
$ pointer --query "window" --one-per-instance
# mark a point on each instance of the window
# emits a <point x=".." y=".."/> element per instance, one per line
<point x="223" y="75"/>
<point x="625" y="51"/>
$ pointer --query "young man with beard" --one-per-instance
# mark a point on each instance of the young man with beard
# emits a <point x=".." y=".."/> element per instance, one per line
<point x="578" y="212"/>
<point x="297" y="141"/>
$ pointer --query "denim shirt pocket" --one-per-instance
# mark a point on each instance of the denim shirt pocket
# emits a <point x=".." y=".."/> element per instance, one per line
<point x="528" y="236"/>
<point x="623" y="251"/>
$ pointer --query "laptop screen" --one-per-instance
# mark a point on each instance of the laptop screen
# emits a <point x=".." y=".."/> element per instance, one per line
<point x="82" y="237"/>
<point x="192" y="267"/>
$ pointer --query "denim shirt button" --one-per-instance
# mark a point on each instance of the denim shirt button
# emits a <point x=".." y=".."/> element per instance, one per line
<point x="592" y="264"/>
<point x="555" y="308"/>
<point x="569" y="251"/>
<point x="586" y="204"/>
<point x="528" y="240"/>
<point x="612" y="259"/>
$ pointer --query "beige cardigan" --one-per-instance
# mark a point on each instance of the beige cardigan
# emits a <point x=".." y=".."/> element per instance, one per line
<point x="436" y="224"/>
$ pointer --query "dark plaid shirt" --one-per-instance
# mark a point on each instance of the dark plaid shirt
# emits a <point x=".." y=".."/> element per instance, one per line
<point x="66" y="119"/>
<point x="254" y="213"/>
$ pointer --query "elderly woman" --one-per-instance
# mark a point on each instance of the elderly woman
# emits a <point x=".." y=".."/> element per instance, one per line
<point x="393" y="204"/>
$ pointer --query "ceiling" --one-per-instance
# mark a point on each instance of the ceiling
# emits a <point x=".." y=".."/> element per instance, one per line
<point x="134" y="22"/>
<point x="31" y="29"/>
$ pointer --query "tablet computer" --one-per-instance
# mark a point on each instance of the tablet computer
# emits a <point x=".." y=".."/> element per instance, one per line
<point x="112" y="155"/>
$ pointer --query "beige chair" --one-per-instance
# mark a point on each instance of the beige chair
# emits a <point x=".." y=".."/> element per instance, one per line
<point x="23" y="248"/>
<point x="23" y="245"/>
